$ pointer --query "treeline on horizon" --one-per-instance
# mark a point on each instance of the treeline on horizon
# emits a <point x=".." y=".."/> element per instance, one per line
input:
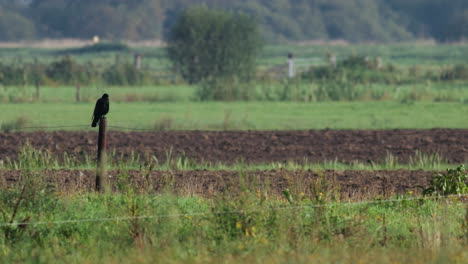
<point x="280" y="20"/>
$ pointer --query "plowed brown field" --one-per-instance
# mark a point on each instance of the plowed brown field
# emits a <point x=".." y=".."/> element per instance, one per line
<point x="254" y="146"/>
<point x="353" y="184"/>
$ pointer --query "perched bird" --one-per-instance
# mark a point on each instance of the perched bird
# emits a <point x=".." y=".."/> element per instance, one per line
<point x="101" y="109"/>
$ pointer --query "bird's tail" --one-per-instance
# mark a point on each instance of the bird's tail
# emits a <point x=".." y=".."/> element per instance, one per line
<point x="95" y="121"/>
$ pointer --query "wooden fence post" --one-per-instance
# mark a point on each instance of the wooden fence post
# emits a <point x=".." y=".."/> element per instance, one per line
<point x="137" y="61"/>
<point x="78" y="96"/>
<point x="101" y="175"/>
<point x="291" y="66"/>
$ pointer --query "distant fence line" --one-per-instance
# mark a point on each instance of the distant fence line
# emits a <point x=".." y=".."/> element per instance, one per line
<point x="166" y="72"/>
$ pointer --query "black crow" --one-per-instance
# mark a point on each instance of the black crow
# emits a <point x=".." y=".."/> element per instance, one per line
<point x="101" y="109"/>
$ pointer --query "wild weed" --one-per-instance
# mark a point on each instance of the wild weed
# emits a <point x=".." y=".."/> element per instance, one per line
<point x="453" y="182"/>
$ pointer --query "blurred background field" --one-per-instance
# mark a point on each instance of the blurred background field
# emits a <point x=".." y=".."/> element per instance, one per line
<point x="418" y="86"/>
<point x="401" y="54"/>
<point x="238" y="115"/>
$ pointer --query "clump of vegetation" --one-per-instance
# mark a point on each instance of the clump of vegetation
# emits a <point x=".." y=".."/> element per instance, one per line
<point x="355" y="70"/>
<point x="12" y="75"/>
<point x="165" y="123"/>
<point x="454" y="181"/>
<point x="18" y="123"/>
<point x="215" y="48"/>
<point x="125" y="74"/>
<point x="66" y="71"/>
<point x="97" y="48"/>
<point x="457" y="72"/>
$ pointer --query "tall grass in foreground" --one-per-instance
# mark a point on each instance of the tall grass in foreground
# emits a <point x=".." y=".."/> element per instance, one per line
<point x="243" y="223"/>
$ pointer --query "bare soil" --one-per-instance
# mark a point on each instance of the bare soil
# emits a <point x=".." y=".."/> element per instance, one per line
<point x="352" y="184"/>
<point x="253" y="146"/>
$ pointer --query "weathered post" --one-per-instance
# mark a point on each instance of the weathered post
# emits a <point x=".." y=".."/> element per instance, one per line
<point x="38" y="89"/>
<point x="378" y="62"/>
<point x="291" y="66"/>
<point x="137" y="61"/>
<point x="101" y="179"/>
<point x="331" y="60"/>
<point x="78" y="95"/>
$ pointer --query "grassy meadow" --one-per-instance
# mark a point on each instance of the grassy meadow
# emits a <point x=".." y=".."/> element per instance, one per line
<point x="245" y="226"/>
<point x="239" y="115"/>
<point x="39" y="223"/>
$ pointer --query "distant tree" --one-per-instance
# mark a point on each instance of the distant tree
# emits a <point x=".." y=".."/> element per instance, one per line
<point x="15" y="27"/>
<point x="439" y="19"/>
<point x="458" y="26"/>
<point x="279" y="20"/>
<point x="206" y="43"/>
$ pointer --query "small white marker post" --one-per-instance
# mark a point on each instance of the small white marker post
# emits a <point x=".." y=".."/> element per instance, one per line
<point x="291" y="66"/>
<point x="137" y="61"/>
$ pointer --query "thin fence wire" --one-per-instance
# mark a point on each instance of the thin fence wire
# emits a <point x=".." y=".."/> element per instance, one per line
<point x="256" y="210"/>
<point x="49" y="127"/>
<point x="132" y="128"/>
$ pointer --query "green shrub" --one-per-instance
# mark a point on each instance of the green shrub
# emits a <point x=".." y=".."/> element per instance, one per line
<point x="124" y="74"/>
<point x="457" y="72"/>
<point x="67" y="71"/>
<point x="354" y="62"/>
<point x="12" y="75"/>
<point x="224" y="89"/>
<point x="454" y="181"/>
<point x="337" y="91"/>
<point x="355" y="69"/>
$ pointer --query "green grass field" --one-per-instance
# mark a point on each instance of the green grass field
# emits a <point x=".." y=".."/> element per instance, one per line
<point x="245" y="115"/>
<point x="67" y="94"/>
<point x="302" y="91"/>
<point x="40" y="223"/>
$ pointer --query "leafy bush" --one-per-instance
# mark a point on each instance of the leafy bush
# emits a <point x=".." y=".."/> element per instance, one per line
<point x="124" y="74"/>
<point x="356" y="69"/>
<point x="452" y="182"/>
<point x="457" y="72"/>
<point x="212" y="46"/>
<point x="354" y="62"/>
<point x="12" y="75"/>
<point x="67" y="71"/>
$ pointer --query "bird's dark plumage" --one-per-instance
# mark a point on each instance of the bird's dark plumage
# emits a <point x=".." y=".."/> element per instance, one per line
<point x="101" y="109"/>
